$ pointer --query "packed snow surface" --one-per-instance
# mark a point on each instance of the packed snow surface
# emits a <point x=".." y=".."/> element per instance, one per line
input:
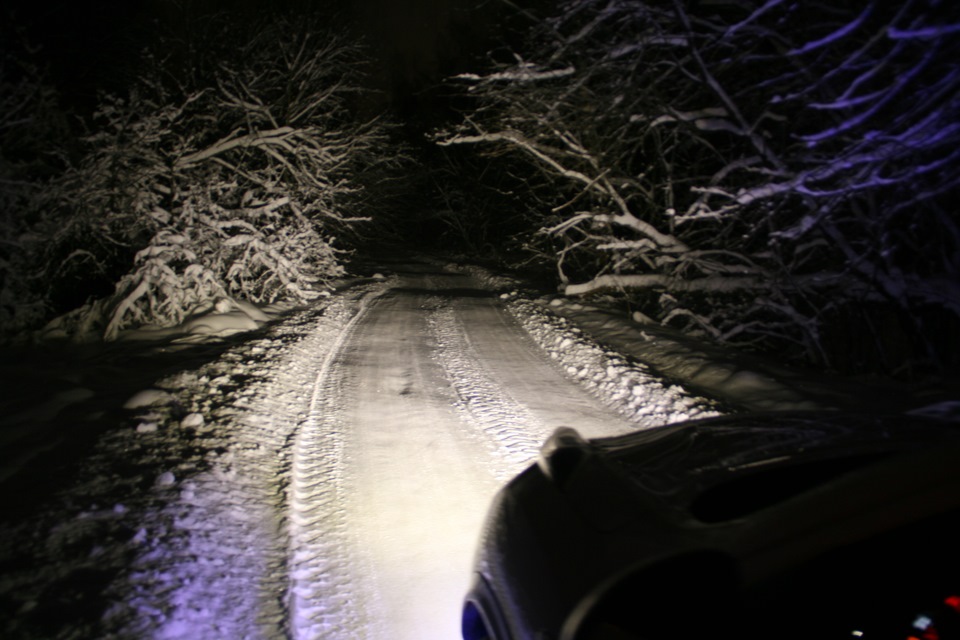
<point x="327" y="476"/>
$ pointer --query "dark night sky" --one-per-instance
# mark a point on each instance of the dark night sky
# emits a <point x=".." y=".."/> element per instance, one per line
<point x="420" y="39"/>
<point x="415" y="42"/>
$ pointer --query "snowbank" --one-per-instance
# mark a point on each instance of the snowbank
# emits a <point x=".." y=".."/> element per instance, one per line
<point x="736" y="380"/>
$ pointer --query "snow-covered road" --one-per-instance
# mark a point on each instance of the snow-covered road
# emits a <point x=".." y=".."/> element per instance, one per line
<point x="437" y="396"/>
<point x="327" y="478"/>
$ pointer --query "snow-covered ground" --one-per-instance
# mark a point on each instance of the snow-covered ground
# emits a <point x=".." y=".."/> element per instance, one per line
<point x="326" y="476"/>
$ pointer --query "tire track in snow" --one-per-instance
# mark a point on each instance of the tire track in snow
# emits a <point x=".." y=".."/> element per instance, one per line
<point x="320" y="598"/>
<point x="631" y="388"/>
<point x="213" y="563"/>
<point x="512" y="432"/>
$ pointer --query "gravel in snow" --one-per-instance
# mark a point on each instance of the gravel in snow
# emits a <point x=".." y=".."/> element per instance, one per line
<point x="629" y="387"/>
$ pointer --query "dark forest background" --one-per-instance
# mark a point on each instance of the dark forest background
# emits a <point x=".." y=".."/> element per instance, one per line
<point x="776" y="176"/>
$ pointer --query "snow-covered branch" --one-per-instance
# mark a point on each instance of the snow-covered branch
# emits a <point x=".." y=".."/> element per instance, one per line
<point x="280" y="137"/>
<point x="226" y="182"/>
<point x="622" y="282"/>
<point x="734" y="156"/>
<point x="521" y="73"/>
<point x="599" y="184"/>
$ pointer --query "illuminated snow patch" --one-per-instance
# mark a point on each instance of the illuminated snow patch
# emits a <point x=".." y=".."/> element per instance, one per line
<point x="629" y="387"/>
<point x="511" y="431"/>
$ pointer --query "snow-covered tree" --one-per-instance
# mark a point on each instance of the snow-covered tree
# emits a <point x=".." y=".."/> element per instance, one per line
<point x="222" y="173"/>
<point x="761" y="172"/>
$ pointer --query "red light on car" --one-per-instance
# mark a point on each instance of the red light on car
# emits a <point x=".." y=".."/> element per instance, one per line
<point x="953" y="602"/>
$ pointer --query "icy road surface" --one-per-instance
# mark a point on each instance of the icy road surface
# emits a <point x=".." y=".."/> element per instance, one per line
<point x="327" y="479"/>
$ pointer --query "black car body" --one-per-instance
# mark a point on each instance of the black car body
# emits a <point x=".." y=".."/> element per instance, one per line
<point x="791" y="525"/>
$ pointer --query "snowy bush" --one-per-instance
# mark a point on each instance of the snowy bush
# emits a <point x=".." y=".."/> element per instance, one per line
<point x="777" y="168"/>
<point x="221" y="174"/>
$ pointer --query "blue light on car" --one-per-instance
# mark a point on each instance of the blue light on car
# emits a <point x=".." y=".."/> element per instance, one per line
<point x="922" y="623"/>
<point x="473" y="625"/>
